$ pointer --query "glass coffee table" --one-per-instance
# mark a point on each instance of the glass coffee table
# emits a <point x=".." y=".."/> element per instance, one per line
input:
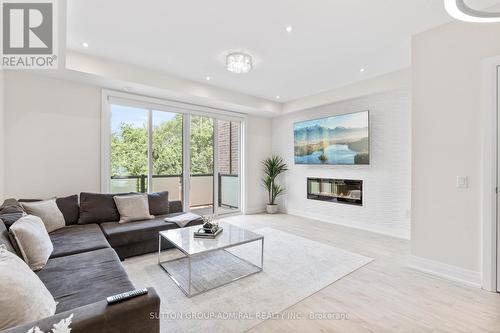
<point x="206" y="264"/>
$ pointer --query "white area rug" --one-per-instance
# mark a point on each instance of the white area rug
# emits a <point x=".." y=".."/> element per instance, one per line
<point x="294" y="268"/>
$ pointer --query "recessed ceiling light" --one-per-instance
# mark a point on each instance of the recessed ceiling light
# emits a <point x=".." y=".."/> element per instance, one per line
<point x="126" y="88"/>
<point x="277" y="96"/>
<point x="362" y="70"/>
<point x="207" y="78"/>
<point x="459" y="10"/>
<point x="239" y="62"/>
<point x="289" y="28"/>
<point x="85" y="44"/>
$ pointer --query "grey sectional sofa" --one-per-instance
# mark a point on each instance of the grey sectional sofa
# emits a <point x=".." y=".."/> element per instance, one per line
<point x="85" y="267"/>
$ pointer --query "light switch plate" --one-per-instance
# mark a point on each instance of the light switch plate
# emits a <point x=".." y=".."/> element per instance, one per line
<point x="462" y="182"/>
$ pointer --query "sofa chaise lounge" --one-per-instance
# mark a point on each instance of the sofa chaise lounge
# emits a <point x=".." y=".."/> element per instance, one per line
<point x="85" y="265"/>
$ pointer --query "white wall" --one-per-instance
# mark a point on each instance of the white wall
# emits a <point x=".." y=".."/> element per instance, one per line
<point x="258" y="148"/>
<point x="52" y="136"/>
<point x="446" y="142"/>
<point x="2" y="134"/>
<point x="386" y="181"/>
<point x="53" y="140"/>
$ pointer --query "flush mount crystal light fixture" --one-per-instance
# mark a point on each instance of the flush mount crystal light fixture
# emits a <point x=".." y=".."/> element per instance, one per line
<point x="239" y="62"/>
<point x="459" y="10"/>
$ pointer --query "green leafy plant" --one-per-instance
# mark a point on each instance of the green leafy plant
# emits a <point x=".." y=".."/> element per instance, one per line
<point x="273" y="167"/>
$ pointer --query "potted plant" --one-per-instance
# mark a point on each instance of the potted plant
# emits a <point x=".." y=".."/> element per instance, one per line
<point x="273" y="167"/>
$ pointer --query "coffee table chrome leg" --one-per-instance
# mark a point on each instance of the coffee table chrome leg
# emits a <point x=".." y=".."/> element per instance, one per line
<point x="262" y="255"/>
<point x="189" y="278"/>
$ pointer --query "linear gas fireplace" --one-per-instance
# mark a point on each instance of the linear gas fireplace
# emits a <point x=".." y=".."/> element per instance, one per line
<point x="345" y="191"/>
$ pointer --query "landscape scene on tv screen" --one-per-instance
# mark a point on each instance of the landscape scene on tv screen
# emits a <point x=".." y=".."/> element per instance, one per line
<point x="342" y="139"/>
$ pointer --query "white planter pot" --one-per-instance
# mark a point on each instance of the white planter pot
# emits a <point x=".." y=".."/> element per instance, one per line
<point x="272" y="209"/>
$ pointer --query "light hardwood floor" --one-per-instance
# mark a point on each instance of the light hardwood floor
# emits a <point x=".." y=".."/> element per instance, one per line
<point x="383" y="296"/>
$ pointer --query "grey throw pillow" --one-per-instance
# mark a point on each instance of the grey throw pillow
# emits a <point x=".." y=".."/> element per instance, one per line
<point x="48" y="211"/>
<point x="68" y="206"/>
<point x="23" y="296"/>
<point x="133" y="207"/>
<point x="32" y="240"/>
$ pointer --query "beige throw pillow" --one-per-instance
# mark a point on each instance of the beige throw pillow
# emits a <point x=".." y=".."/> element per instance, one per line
<point x="48" y="211"/>
<point x="33" y="241"/>
<point x="133" y="207"/>
<point x="23" y="296"/>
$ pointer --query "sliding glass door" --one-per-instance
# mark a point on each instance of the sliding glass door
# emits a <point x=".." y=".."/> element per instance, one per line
<point x="129" y="149"/>
<point x="228" y="165"/>
<point x="201" y="153"/>
<point x="166" y="153"/>
<point x="196" y="158"/>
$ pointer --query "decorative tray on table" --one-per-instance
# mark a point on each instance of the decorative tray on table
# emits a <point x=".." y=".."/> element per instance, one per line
<point x="210" y="228"/>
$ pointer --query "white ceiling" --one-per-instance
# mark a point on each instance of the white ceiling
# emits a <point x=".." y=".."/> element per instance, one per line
<point x="331" y="39"/>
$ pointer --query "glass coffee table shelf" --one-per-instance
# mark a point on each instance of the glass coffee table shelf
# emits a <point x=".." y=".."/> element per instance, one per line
<point x="206" y="264"/>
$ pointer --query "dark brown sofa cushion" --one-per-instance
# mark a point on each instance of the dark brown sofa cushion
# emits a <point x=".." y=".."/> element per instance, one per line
<point x="4" y="238"/>
<point x="8" y="240"/>
<point x="158" y="203"/>
<point x="77" y="239"/>
<point x="175" y="207"/>
<point x="10" y="212"/>
<point x="98" y="207"/>
<point x="119" y="234"/>
<point x="84" y="278"/>
<point x="69" y="208"/>
<point x="67" y="205"/>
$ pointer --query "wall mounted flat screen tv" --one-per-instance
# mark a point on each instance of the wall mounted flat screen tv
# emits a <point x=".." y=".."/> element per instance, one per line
<point x="337" y="140"/>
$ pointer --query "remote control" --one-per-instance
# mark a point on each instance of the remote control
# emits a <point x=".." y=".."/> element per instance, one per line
<point x="123" y="296"/>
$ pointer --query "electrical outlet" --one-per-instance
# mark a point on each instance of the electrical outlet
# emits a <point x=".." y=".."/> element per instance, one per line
<point x="462" y="181"/>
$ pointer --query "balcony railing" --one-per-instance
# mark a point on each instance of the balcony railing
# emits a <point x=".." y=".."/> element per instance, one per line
<point x="201" y="193"/>
<point x="229" y="186"/>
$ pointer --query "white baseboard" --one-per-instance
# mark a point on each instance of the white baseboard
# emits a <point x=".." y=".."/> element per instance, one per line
<point x="454" y="273"/>
<point x="404" y="234"/>
<point x="255" y="210"/>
